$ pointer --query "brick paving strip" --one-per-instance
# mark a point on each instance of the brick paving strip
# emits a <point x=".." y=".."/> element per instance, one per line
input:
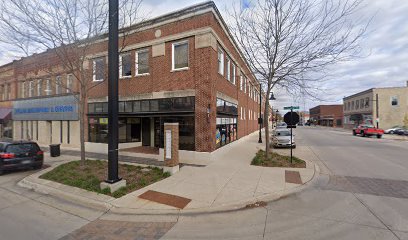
<point x="111" y="230"/>
<point x="167" y="199"/>
<point x="292" y="177"/>
<point x="372" y="186"/>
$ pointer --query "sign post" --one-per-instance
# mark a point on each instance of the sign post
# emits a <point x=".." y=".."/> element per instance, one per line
<point x="291" y="119"/>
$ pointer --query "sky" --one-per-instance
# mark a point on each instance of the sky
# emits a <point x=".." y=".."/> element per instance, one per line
<point x="385" y="52"/>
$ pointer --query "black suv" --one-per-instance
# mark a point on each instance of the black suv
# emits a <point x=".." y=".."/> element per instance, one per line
<point x="18" y="155"/>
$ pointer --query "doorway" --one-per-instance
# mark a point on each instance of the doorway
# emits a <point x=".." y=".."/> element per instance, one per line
<point x="145" y="131"/>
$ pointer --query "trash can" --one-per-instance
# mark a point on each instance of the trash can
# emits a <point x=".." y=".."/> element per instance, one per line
<point x="55" y="150"/>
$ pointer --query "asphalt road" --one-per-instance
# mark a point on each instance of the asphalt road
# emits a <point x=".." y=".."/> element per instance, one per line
<point x="361" y="193"/>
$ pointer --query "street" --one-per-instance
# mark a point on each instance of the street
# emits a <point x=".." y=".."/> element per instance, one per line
<point x="361" y="193"/>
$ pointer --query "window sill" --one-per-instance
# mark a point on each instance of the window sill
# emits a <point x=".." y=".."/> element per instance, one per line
<point x="125" y="77"/>
<point x="180" y="69"/>
<point x="100" y="80"/>
<point x="142" y="74"/>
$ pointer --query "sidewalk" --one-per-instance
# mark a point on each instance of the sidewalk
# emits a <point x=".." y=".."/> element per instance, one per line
<point x="229" y="182"/>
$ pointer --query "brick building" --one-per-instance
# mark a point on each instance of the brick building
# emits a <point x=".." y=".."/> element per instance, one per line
<point x="327" y="115"/>
<point x="181" y="67"/>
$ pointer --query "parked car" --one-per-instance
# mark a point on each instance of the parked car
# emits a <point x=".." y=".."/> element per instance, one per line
<point x="401" y="131"/>
<point x="281" y="138"/>
<point x="20" y="155"/>
<point x="281" y="125"/>
<point x="368" y="130"/>
<point x="392" y="130"/>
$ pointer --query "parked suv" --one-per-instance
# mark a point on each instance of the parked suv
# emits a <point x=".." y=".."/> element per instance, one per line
<point x="19" y="155"/>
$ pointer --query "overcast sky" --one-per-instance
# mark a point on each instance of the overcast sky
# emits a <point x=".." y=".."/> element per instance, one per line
<point x="385" y="46"/>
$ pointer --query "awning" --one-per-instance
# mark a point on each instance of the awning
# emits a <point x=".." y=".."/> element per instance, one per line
<point x="5" y="114"/>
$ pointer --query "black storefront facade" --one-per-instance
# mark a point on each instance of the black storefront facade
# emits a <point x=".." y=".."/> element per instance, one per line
<point x="142" y="121"/>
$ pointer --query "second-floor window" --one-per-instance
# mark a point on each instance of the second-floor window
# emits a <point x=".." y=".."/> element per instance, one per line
<point x="98" y="69"/>
<point x="394" y="101"/>
<point x="23" y="89"/>
<point x="241" y="82"/>
<point x="70" y="80"/>
<point x="125" y="65"/>
<point x="180" y="55"/>
<point x="234" y="69"/>
<point x="367" y="102"/>
<point x="142" y="62"/>
<point x="31" y="89"/>
<point x="228" y="76"/>
<point x="39" y="87"/>
<point x="48" y="90"/>
<point x="220" y="61"/>
<point x="58" y="86"/>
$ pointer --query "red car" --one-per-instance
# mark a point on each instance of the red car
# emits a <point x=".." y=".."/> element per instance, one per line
<point x="368" y="130"/>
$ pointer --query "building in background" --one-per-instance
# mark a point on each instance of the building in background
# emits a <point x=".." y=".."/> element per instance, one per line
<point x="182" y="67"/>
<point x="327" y="115"/>
<point x="386" y="107"/>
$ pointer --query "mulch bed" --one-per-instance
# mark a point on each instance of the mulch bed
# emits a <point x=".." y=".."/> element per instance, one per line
<point x="277" y="160"/>
<point x="89" y="176"/>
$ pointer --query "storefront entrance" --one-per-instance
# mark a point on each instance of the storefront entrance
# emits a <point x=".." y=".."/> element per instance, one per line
<point x="146" y="138"/>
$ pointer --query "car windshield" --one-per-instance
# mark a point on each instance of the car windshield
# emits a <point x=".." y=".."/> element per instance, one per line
<point x="283" y="133"/>
<point x="22" y="148"/>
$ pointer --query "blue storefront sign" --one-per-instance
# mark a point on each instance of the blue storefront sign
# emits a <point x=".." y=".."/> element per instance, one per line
<point x="46" y="109"/>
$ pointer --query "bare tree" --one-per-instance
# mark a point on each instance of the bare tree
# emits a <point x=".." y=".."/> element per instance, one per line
<point x="291" y="43"/>
<point x="68" y="30"/>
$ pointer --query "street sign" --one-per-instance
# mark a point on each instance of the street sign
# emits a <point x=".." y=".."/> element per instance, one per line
<point x="291" y="108"/>
<point x="291" y="118"/>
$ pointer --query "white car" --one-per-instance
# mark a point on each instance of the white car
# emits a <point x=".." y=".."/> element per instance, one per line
<point x="281" y="138"/>
<point x="392" y="130"/>
<point x="281" y="125"/>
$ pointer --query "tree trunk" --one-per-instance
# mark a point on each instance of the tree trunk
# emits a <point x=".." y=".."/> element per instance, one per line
<point x="82" y="105"/>
<point x="266" y="122"/>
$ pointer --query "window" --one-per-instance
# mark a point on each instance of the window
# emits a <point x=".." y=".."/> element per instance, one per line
<point x="180" y="55"/>
<point x="394" y="101"/>
<point x="228" y="76"/>
<point x="241" y="113"/>
<point x="361" y="103"/>
<point x="6" y="91"/>
<point x="23" y="86"/>
<point x="245" y="84"/>
<point x="367" y="102"/>
<point x="48" y="90"/>
<point x="220" y="61"/>
<point x="39" y="87"/>
<point x="233" y="73"/>
<point x="70" y="80"/>
<point x="2" y="92"/>
<point x="125" y="66"/>
<point x="348" y="106"/>
<point x="31" y="89"/>
<point x="58" y="85"/>
<point x="241" y="82"/>
<point x="357" y="104"/>
<point x="142" y="62"/>
<point x="98" y="69"/>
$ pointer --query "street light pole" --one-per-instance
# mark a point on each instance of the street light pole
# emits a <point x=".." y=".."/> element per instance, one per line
<point x="376" y="108"/>
<point x="113" y="75"/>
<point x="260" y="113"/>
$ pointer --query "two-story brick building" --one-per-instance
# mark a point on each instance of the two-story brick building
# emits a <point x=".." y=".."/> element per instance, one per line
<point x="327" y="115"/>
<point x="181" y="67"/>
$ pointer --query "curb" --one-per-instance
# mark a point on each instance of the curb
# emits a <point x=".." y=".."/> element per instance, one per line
<point x="106" y="203"/>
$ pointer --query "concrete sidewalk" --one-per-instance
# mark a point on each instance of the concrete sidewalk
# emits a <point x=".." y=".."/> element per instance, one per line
<point x="229" y="182"/>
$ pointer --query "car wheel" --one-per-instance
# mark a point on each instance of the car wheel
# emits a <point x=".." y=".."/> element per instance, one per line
<point x="379" y="136"/>
<point x="354" y="133"/>
<point x="1" y="171"/>
<point x="362" y="133"/>
<point x="391" y="132"/>
<point x="36" y="167"/>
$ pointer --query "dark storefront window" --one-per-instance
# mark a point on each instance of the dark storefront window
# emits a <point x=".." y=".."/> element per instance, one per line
<point x="186" y="131"/>
<point x="129" y="129"/>
<point x="226" y="123"/>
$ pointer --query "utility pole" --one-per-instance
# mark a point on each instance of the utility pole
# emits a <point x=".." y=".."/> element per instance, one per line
<point x="113" y="104"/>
<point x="376" y="108"/>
